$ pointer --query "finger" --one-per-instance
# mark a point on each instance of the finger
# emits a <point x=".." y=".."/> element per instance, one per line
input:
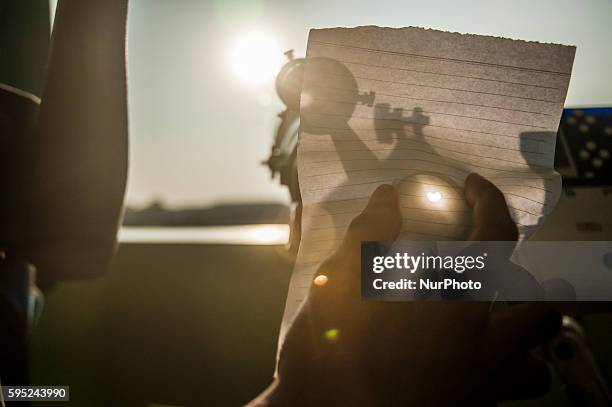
<point x="524" y="378"/>
<point x="381" y="220"/>
<point x="492" y="220"/>
<point x="519" y="283"/>
<point x="521" y="328"/>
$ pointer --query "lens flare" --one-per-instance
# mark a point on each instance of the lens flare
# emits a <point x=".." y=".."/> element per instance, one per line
<point x="321" y="280"/>
<point x="332" y="334"/>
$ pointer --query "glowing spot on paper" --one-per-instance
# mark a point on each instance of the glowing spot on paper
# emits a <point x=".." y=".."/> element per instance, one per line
<point x="306" y="99"/>
<point x="434" y="196"/>
<point x="332" y="334"/>
<point x="321" y="280"/>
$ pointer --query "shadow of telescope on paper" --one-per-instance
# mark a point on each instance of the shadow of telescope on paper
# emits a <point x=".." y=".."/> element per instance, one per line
<point x="401" y="153"/>
<point x="425" y="188"/>
<point x="335" y="89"/>
<point x="387" y="135"/>
<point x="329" y="100"/>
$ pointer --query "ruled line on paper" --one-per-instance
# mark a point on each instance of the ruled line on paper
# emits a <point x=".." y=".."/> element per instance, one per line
<point x="337" y="141"/>
<point x="450" y="198"/>
<point x="362" y="62"/>
<point x="519" y="162"/>
<point x="405" y="96"/>
<point x="414" y="159"/>
<point x="463" y="61"/>
<point x="413" y="122"/>
<point x="438" y="113"/>
<point x="344" y="61"/>
<point x="339" y="138"/>
<point x="420" y="85"/>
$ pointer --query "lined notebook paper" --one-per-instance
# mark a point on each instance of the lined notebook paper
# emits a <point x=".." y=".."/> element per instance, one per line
<point x="422" y="109"/>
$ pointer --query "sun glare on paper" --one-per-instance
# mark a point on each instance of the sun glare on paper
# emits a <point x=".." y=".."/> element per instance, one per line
<point x="256" y="57"/>
<point x="434" y="196"/>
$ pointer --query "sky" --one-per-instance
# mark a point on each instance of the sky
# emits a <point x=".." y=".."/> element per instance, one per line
<point x="203" y="108"/>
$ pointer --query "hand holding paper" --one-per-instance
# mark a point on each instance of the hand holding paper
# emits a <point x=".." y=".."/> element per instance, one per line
<point x="341" y="350"/>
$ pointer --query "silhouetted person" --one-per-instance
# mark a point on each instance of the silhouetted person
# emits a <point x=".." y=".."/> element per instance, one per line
<point x="68" y="166"/>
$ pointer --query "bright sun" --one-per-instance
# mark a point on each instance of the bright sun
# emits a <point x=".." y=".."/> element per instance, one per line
<point x="256" y="58"/>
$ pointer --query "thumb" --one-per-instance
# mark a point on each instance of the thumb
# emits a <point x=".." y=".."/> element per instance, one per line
<point x="380" y="220"/>
<point x="492" y="220"/>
